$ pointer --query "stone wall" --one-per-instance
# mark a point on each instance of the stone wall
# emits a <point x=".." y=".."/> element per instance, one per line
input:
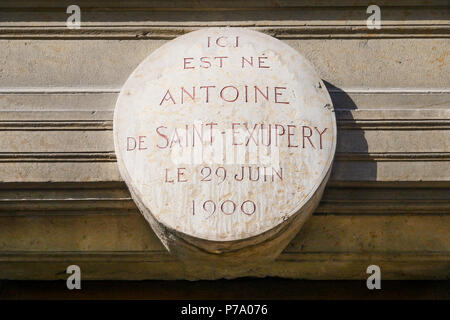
<point x="62" y="200"/>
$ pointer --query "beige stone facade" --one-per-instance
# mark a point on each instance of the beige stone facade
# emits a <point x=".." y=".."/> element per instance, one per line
<point x="62" y="199"/>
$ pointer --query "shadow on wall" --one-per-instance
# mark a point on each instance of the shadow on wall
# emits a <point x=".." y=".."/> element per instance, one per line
<point x="353" y="162"/>
<point x="353" y="167"/>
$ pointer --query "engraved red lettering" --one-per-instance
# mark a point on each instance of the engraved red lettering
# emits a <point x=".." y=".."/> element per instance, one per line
<point x="289" y="134"/>
<point x="276" y="133"/>
<point x="218" y="41"/>
<point x="307" y="136"/>
<point x="192" y="96"/>
<point x="266" y="96"/>
<point x="320" y="135"/>
<point x="279" y="94"/>
<point x="207" y="91"/>
<point x="261" y="61"/>
<point x="187" y="61"/>
<point x="162" y="136"/>
<point x="251" y="135"/>
<point x="129" y="141"/>
<point x="250" y="62"/>
<point x="220" y="60"/>
<point x="167" y="180"/>
<point x="180" y="174"/>
<point x="234" y="133"/>
<point x="205" y="63"/>
<point x="141" y="142"/>
<point x="235" y="90"/>
<point x="167" y="98"/>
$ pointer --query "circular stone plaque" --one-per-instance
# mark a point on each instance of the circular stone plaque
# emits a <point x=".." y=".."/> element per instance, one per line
<point x="225" y="138"/>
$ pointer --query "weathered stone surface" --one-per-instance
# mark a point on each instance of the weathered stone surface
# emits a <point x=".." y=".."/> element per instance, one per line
<point x="390" y="89"/>
<point x="124" y="247"/>
<point x="345" y="63"/>
<point x="225" y="138"/>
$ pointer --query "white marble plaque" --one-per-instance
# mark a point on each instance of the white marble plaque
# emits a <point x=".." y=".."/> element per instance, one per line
<point x="224" y="134"/>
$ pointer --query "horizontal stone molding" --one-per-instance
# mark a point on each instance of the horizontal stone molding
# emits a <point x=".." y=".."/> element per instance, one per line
<point x="213" y="4"/>
<point x="162" y="256"/>
<point x="330" y="246"/>
<point x="94" y="199"/>
<point x="57" y="157"/>
<point x="110" y="156"/>
<point x="393" y="156"/>
<point x="347" y="124"/>
<point x="168" y="33"/>
<point x="44" y="125"/>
